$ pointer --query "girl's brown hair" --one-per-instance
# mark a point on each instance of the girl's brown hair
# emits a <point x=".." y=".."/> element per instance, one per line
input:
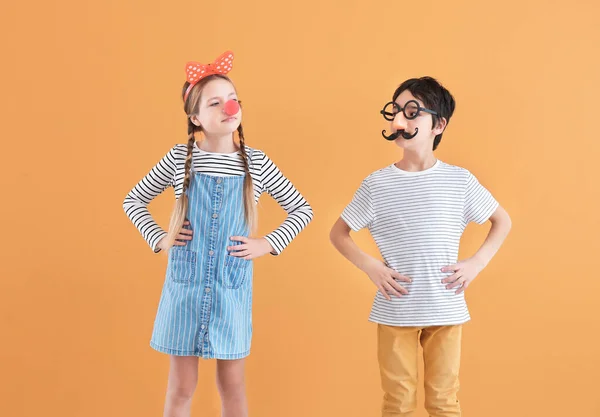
<point x="191" y="107"/>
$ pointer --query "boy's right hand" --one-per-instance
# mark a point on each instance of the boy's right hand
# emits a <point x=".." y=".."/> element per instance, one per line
<point x="183" y="235"/>
<point x="385" y="279"/>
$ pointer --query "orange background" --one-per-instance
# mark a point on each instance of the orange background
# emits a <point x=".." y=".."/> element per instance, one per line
<point x="90" y="101"/>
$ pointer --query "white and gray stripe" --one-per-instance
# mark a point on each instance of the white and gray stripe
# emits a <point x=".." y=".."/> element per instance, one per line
<point x="416" y="220"/>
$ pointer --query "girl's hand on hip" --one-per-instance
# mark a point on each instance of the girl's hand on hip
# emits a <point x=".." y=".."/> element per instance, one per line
<point x="181" y="239"/>
<point x="249" y="248"/>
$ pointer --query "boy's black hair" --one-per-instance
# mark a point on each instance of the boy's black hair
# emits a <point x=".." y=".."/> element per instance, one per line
<point x="434" y="96"/>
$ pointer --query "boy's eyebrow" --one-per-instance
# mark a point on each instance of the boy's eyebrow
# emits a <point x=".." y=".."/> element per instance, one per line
<point x="214" y="98"/>
<point x="422" y="105"/>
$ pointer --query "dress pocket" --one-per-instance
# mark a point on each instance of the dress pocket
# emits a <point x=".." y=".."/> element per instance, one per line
<point x="182" y="265"/>
<point x="236" y="271"/>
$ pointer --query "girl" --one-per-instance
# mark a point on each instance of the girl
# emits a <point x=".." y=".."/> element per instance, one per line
<point x="206" y="303"/>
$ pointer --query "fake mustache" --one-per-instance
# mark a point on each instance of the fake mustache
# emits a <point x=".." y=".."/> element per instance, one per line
<point x="399" y="133"/>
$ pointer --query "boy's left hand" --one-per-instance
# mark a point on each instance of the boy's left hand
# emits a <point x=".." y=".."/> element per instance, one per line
<point x="464" y="272"/>
<point x="250" y="248"/>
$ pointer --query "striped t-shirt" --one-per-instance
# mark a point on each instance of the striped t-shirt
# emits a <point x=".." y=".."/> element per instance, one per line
<point x="416" y="220"/>
<point x="266" y="177"/>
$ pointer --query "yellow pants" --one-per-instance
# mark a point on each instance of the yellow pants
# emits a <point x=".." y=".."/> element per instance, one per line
<point x="398" y="362"/>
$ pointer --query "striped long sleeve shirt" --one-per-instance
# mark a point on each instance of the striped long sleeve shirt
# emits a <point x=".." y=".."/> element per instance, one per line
<point x="266" y="177"/>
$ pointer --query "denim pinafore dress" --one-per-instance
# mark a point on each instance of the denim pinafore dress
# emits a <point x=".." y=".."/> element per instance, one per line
<point x="205" y="308"/>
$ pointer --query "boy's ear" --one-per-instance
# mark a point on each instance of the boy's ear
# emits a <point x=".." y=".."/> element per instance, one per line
<point x="440" y="125"/>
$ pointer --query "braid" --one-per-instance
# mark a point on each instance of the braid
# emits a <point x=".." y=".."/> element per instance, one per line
<point x="188" y="158"/>
<point x="249" y="206"/>
<point x="243" y="149"/>
<point x="181" y="205"/>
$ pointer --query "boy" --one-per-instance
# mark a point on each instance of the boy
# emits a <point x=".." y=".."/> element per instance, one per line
<point x="416" y="210"/>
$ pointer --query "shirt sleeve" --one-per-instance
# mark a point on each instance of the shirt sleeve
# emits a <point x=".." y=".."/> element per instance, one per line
<point x="360" y="212"/>
<point x="479" y="202"/>
<point x="299" y="212"/>
<point x="160" y="177"/>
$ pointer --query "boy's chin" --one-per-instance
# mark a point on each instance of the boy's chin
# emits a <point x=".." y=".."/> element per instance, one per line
<point x="413" y="144"/>
<point x="403" y="143"/>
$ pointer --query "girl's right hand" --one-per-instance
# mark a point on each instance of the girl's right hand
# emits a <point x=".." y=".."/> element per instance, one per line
<point x="386" y="279"/>
<point x="181" y="238"/>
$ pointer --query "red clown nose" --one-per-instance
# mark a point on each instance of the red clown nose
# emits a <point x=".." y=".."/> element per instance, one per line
<point x="232" y="107"/>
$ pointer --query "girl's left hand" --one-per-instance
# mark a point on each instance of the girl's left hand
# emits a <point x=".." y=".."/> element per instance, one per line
<point x="464" y="272"/>
<point x="250" y="248"/>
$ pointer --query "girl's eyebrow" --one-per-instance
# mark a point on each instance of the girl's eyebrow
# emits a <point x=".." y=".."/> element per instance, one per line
<point x="214" y="98"/>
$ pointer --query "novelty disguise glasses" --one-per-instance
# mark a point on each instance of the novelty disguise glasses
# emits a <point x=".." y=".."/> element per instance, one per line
<point x="412" y="109"/>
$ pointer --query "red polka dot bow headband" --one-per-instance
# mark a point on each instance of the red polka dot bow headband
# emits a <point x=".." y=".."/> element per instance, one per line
<point x="196" y="71"/>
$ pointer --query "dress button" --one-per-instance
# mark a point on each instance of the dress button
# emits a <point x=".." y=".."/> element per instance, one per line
<point x="207" y="290"/>
<point x="203" y="326"/>
<point x="211" y="253"/>
<point x="219" y="180"/>
<point x="215" y="216"/>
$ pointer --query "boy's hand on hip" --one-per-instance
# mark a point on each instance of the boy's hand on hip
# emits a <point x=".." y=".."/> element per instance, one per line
<point x="386" y="279"/>
<point x="464" y="272"/>
<point x="250" y="248"/>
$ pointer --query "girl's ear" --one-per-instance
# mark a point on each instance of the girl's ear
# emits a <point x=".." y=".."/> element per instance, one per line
<point x="195" y="120"/>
